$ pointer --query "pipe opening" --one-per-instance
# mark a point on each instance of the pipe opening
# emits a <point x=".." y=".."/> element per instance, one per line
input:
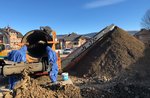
<point x="37" y="40"/>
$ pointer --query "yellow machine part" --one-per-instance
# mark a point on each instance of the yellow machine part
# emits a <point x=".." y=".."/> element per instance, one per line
<point x="4" y="53"/>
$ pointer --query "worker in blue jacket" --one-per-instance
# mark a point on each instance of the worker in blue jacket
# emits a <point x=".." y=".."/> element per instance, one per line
<point x="16" y="56"/>
<point x="52" y="59"/>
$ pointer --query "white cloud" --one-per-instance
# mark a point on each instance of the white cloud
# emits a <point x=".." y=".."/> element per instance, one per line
<point x="101" y="3"/>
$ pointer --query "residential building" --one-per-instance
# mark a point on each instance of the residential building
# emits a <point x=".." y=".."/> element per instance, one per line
<point x="72" y="40"/>
<point x="15" y="37"/>
<point x="144" y="36"/>
<point x="4" y="37"/>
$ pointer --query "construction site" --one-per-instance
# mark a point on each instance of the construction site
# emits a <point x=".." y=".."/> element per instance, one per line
<point x="111" y="64"/>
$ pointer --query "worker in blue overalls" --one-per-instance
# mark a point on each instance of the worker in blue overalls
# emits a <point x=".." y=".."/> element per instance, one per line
<point x="52" y="59"/>
<point x="16" y="56"/>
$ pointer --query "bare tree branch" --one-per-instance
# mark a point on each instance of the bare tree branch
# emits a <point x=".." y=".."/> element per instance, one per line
<point x="145" y="23"/>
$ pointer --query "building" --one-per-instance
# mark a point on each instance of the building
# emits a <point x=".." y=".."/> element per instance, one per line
<point x="15" y="37"/>
<point x="4" y="37"/>
<point x="144" y="36"/>
<point x="72" y="40"/>
<point x="80" y="40"/>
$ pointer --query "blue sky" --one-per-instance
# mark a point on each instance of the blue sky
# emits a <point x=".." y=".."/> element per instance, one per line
<point x="66" y="16"/>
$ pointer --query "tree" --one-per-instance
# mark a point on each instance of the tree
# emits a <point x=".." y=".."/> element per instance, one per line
<point x="145" y="23"/>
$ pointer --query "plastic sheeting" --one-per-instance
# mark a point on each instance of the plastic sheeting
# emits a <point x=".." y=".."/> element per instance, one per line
<point x="13" y="79"/>
<point x="18" y="55"/>
<point x="52" y="57"/>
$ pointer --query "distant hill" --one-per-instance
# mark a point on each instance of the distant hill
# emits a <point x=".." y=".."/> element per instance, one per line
<point x="132" y="32"/>
<point x="60" y="36"/>
<point x="90" y="34"/>
<point x="93" y="33"/>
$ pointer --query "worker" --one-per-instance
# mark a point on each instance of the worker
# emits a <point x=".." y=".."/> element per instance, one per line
<point x="16" y="56"/>
<point x="52" y="59"/>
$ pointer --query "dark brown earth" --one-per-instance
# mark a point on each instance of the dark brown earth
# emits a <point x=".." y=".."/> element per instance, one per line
<point x="117" y="68"/>
<point x="110" y="56"/>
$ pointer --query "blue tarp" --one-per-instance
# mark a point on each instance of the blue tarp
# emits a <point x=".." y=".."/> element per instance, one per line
<point x="52" y="57"/>
<point x="13" y="79"/>
<point x="18" y="55"/>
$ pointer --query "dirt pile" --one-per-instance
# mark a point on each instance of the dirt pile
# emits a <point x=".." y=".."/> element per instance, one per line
<point x="119" y="66"/>
<point x="117" y="91"/>
<point x="110" y="56"/>
<point x="29" y="88"/>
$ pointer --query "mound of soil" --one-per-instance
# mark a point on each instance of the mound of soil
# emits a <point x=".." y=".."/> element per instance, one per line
<point x="115" y="52"/>
<point x="121" y="62"/>
<point x="29" y="88"/>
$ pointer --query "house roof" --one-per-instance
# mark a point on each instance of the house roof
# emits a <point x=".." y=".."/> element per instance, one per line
<point x="71" y="37"/>
<point x="19" y="35"/>
<point x="81" y="37"/>
<point x="4" y="32"/>
<point x="143" y="32"/>
<point x="76" y="39"/>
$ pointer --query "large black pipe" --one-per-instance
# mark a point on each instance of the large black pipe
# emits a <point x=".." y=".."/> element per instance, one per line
<point x="37" y="40"/>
